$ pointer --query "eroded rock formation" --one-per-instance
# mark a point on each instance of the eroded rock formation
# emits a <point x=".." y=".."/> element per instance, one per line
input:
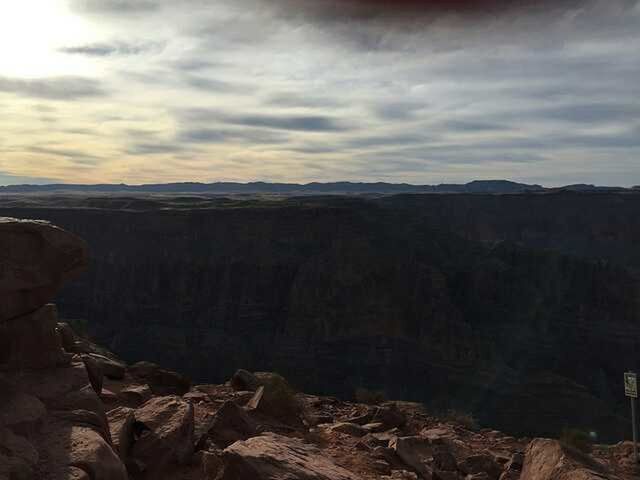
<point x="53" y="424"/>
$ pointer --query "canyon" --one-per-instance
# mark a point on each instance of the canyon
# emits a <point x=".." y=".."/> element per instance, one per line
<point x="522" y="310"/>
<point x="72" y="410"/>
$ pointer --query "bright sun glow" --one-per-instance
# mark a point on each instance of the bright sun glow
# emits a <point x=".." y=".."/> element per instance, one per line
<point x="32" y="31"/>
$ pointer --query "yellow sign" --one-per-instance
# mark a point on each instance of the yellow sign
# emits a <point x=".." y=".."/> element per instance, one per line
<point x="630" y="385"/>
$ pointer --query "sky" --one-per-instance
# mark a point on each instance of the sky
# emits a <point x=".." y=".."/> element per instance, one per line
<point x="425" y="92"/>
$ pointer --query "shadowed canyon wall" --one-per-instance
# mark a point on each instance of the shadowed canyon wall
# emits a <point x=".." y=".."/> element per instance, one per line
<point x="523" y="309"/>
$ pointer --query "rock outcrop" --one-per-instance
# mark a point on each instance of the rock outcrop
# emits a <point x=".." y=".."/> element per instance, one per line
<point x="53" y="425"/>
<point x="36" y="258"/>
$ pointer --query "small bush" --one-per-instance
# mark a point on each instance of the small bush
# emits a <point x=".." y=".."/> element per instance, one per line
<point x="464" y="419"/>
<point x="576" y="438"/>
<point x="79" y="326"/>
<point x="370" y="397"/>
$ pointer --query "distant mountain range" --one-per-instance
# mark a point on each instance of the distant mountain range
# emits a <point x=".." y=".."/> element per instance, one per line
<point x="478" y="186"/>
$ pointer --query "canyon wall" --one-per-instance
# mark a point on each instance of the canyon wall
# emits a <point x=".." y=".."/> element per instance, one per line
<point x="523" y="309"/>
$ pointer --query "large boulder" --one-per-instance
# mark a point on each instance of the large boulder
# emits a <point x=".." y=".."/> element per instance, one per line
<point x="31" y="341"/>
<point x="65" y="444"/>
<point x="134" y="395"/>
<point x="121" y="420"/>
<point x="244" y="380"/>
<point x="275" y="457"/>
<point x="110" y="367"/>
<point x="161" y="381"/>
<point x="390" y="416"/>
<point x="18" y="457"/>
<point x="275" y="398"/>
<point x="18" y="410"/>
<point x="168" y="433"/>
<point x="416" y="452"/>
<point x="36" y="258"/>
<point x="230" y="424"/>
<point x="481" y="463"/>
<point x="549" y="460"/>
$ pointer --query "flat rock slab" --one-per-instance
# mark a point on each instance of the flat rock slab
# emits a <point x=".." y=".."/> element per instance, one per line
<point x="274" y="457"/>
<point x="36" y="258"/>
<point x="548" y="460"/>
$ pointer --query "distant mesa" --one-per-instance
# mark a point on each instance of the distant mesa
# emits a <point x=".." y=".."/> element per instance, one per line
<point x="315" y="188"/>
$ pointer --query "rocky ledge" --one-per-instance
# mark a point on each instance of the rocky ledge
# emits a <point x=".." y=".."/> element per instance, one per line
<point x="70" y="409"/>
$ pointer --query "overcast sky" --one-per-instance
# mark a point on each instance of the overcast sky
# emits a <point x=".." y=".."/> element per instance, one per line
<point x="141" y="91"/>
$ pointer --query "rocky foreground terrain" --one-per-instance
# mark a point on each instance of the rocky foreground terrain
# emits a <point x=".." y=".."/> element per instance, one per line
<point x="70" y="409"/>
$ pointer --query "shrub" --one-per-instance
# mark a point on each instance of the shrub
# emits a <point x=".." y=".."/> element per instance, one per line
<point x="78" y="325"/>
<point x="576" y="438"/>
<point x="370" y="397"/>
<point x="464" y="419"/>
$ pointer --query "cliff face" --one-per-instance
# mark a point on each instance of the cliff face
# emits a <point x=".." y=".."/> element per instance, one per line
<point x="501" y="306"/>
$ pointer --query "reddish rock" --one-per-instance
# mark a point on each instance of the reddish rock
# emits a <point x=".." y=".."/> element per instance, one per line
<point x="67" y="336"/>
<point x="274" y="457"/>
<point x="134" y="395"/>
<point x="168" y="436"/>
<point x="36" y="258"/>
<point x="243" y="380"/>
<point x="444" y="461"/>
<point x="351" y="429"/>
<point x="276" y="398"/>
<point x="121" y="421"/>
<point x="94" y="371"/>
<point x="375" y="427"/>
<point x="415" y="452"/>
<point x="18" y="457"/>
<point x="161" y="381"/>
<point x="549" y="460"/>
<point x="31" y="341"/>
<point x="64" y="445"/>
<point x="230" y="424"/>
<point x="481" y="463"/>
<point x="19" y="411"/>
<point x="111" y="368"/>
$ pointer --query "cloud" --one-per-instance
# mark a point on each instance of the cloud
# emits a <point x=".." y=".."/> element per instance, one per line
<point x="77" y="156"/>
<point x="472" y="126"/>
<point x="302" y="123"/>
<point x="116" y="6"/>
<point x="302" y="100"/>
<point x="416" y="12"/>
<point x="110" y="49"/>
<point x="248" y="136"/>
<point x="154" y="148"/>
<point x="56" y="88"/>
<point x="212" y="84"/>
<point x="306" y="123"/>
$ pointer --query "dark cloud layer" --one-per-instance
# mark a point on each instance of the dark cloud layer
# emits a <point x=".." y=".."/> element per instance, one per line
<point x="116" y="6"/>
<point x="302" y="123"/>
<point x="109" y="49"/>
<point x="56" y="88"/>
<point x="411" y="10"/>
